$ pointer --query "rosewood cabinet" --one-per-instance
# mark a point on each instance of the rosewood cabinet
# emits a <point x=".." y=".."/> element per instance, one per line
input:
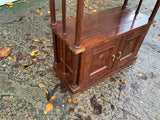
<point x="91" y="47"/>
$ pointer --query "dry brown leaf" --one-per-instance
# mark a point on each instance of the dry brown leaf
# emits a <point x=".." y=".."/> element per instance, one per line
<point x="49" y="107"/>
<point x="74" y="101"/>
<point x="122" y="81"/>
<point x="5" y="52"/>
<point x="69" y="100"/>
<point x="41" y="86"/>
<point x="53" y="97"/>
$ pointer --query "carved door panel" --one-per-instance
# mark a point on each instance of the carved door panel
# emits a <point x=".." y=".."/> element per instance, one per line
<point x="100" y="59"/>
<point x="128" y="48"/>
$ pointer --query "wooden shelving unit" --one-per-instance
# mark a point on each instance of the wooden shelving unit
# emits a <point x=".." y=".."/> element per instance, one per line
<point x="91" y="47"/>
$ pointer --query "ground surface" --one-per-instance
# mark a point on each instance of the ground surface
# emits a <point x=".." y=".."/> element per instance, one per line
<point x="24" y="28"/>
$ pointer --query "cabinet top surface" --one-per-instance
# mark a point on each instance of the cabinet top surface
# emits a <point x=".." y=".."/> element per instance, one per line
<point x="102" y="25"/>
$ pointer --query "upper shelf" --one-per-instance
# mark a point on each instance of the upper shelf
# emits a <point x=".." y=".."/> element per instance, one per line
<point x="102" y="25"/>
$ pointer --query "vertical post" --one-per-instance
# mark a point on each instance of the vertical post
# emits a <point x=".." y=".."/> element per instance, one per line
<point x="64" y="17"/>
<point x="53" y="23"/>
<point x="125" y="3"/>
<point x="140" y="3"/>
<point x="75" y="71"/>
<point x="52" y="10"/>
<point x="55" y="48"/>
<point x="79" y="21"/>
<point x="64" y="58"/>
<point x="151" y="18"/>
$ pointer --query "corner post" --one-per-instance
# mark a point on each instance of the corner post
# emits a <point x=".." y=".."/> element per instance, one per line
<point x="79" y="21"/>
<point x="156" y="7"/>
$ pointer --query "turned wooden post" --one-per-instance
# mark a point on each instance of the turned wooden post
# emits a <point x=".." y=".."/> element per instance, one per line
<point x="64" y="17"/>
<point x="53" y="14"/>
<point x="79" y="21"/>
<point x="125" y="3"/>
<point x="139" y="6"/>
<point x="53" y="23"/>
<point x="151" y="18"/>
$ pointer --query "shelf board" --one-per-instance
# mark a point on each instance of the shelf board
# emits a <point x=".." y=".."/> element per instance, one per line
<point x="101" y="26"/>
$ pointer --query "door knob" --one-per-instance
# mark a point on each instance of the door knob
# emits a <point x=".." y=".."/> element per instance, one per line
<point x="120" y="54"/>
<point x="113" y="57"/>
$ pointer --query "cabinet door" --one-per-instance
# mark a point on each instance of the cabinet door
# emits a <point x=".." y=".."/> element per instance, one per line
<point x="99" y="60"/>
<point x="128" y="48"/>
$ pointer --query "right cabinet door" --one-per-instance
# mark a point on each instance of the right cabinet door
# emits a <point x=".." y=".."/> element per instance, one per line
<point x="128" y="48"/>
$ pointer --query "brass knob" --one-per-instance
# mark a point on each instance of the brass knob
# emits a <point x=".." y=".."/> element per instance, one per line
<point x="113" y="57"/>
<point x="120" y="54"/>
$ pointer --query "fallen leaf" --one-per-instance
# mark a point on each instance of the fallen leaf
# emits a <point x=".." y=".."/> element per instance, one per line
<point x="28" y="34"/>
<point x="154" y="25"/>
<point x="74" y="101"/>
<point x="10" y="97"/>
<point x="14" y="59"/>
<point x="43" y="42"/>
<point x="9" y="58"/>
<point x="10" y="45"/>
<point x="53" y="97"/>
<point x="69" y="100"/>
<point x="8" y="103"/>
<point x="49" y="12"/>
<point x="140" y="74"/>
<point x="9" y="83"/>
<point x="93" y="10"/>
<point x="35" y="40"/>
<point x="5" y="52"/>
<point x="25" y="65"/>
<point x="34" y="52"/>
<point x="9" y="3"/>
<point x="88" y="118"/>
<point x="19" y="56"/>
<point x="49" y="107"/>
<point x="122" y="81"/>
<point x="41" y="85"/>
<point x="37" y="10"/>
<point x="71" y="109"/>
<point x="41" y="13"/>
<point x="4" y="65"/>
<point x="69" y="2"/>
<point x="118" y="5"/>
<point x="27" y="115"/>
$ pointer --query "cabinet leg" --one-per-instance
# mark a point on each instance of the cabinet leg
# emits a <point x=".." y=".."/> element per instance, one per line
<point x="75" y="71"/>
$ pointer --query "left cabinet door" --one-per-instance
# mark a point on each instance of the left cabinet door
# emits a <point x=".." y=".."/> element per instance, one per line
<point x="99" y="60"/>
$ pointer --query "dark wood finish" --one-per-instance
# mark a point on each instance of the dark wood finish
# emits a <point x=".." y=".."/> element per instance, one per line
<point x="64" y="17"/>
<point x="139" y="5"/>
<point x="151" y="18"/>
<point x="79" y="20"/>
<point x="53" y="13"/>
<point x="99" y="45"/>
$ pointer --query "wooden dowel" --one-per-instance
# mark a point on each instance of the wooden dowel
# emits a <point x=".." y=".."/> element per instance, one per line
<point x="125" y="4"/>
<point x="64" y="17"/>
<point x="52" y="10"/>
<point x="139" y="6"/>
<point x="79" y="21"/>
<point x="151" y="18"/>
<point x="55" y="48"/>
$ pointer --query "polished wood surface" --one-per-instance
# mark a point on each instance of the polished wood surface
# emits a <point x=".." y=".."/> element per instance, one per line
<point x="91" y="47"/>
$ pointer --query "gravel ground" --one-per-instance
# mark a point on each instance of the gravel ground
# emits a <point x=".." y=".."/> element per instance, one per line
<point x="24" y="28"/>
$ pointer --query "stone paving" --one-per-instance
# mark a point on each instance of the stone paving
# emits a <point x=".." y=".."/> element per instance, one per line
<point x="24" y="28"/>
